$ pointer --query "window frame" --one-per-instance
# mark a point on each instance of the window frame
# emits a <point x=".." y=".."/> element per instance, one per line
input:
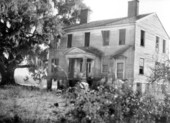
<point x="118" y="72"/>
<point x="86" y="39"/>
<point x="142" y="38"/>
<point x="106" y="37"/>
<point x="69" y="40"/>
<point x="157" y="44"/>
<point x="122" y="32"/>
<point x="141" y="73"/>
<point x="105" y="68"/>
<point x="164" y="46"/>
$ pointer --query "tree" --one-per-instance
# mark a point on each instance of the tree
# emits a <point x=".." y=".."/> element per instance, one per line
<point x="26" y="29"/>
<point x="161" y="73"/>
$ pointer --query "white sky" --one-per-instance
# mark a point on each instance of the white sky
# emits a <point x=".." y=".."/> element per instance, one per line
<point x="107" y="9"/>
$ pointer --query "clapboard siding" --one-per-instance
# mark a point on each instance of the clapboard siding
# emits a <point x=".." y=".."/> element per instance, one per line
<point x="152" y="27"/>
<point x="96" y="41"/>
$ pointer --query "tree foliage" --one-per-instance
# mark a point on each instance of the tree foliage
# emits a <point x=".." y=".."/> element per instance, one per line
<point x="28" y="26"/>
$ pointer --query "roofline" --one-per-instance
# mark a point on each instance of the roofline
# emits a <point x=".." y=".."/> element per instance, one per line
<point x="145" y="17"/>
<point x="99" y="27"/>
<point x="158" y="19"/>
<point x="162" y="26"/>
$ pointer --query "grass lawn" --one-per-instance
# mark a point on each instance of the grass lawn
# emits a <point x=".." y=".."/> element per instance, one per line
<point x="30" y="104"/>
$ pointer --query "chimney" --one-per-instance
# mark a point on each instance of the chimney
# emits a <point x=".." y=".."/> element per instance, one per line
<point x="84" y="16"/>
<point x="133" y="8"/>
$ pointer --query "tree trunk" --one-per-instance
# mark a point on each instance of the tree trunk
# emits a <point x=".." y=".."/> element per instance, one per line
<point x="7" y="76"/>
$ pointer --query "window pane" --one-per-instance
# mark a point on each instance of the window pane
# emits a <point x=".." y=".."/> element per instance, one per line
<point x="106" y="37"/>
<point x="87" y="39"/>
<point x="164" y="45"/>
<point x="142" y="40"/>
<point x="141" y="66"/>
<point x="141" y="62"/>
<point x="120" y="70"/>
<point x="105" y="68"/>
<point x="122" y="36"/>
<point x="157" y="44"/>
<point x="69" y="41"/>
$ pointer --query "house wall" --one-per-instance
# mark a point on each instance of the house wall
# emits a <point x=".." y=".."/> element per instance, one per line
<point x="152" y="27"/>
<point x="96" y="41"/>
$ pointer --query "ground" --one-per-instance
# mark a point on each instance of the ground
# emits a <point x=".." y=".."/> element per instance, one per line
<point x="31" y="103"/>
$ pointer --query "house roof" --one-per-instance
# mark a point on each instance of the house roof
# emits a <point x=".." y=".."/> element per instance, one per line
<point x="115" y="21"/>
<point x="120" y="51"/>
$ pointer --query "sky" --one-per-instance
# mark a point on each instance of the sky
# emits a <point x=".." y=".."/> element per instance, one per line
<point x="108" y="9"/>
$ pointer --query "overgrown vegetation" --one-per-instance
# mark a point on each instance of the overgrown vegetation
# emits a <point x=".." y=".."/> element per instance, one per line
<point x="105" y="104"/>
<point x="115" y="105"/>
<point x="20" y="104"/>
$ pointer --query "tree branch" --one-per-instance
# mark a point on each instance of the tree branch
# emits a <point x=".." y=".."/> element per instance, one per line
<point x="24" y="66"/>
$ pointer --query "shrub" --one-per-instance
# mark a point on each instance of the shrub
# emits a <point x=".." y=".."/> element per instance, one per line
<point x="108" y="104"/>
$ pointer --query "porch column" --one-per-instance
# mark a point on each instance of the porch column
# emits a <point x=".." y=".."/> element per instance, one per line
<point x="84" y="65"/>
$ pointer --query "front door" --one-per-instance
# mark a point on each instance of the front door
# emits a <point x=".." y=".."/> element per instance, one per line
<point x="88" y="67"/>
<point x="71" y="68"/>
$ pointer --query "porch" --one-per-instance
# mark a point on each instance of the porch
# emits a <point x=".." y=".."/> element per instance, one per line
<point x="82" y="62"/>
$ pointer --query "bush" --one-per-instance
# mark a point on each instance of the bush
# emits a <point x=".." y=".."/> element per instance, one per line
<point x="108" y="104"/>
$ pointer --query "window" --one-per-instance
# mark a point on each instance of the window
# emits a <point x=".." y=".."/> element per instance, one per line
<point x="141" y="66"/>
<point x="120" y="70"/>
<point x="87" y="39"/>
<point x="88" y="65"/>
<point x="105" y="68"/>
<point x="54" y="64"/>
<point x="139" y="88"/>
<point x="122" y="36"/>
<point x="106" y="37"/>
<point x="157" y="44"/>
<point x="164" y="46"/>
<point x="81" y="65"/>
<point x="142" y="38"/>
<point x="69" y="41"/>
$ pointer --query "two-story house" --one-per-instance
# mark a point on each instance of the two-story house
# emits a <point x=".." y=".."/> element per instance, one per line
<point x="122" y="48"/>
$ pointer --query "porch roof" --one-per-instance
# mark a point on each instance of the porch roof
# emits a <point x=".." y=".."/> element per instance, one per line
<point x="93" y="50"/>
<point x="120" y="52"/>
<point x="89" y="50"/>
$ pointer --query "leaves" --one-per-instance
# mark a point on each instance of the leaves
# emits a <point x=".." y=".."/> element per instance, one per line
<point x="27" y="24"/>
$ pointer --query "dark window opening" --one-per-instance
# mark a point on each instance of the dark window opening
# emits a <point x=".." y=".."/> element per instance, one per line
<point x="87" y="39"/>
<point x="164" y="46"/>
<point x="142" y="39"/>
<point x="69" y="41"/>
<point x="122" y="36"/>
<point x="139" y="88"/>
<point x="88" y="65"/>
<point x="106" y="37"/>
<point x="157" y="44"/>
<point x="141" y="66"/>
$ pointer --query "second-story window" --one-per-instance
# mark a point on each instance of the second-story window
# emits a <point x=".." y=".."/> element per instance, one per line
<point x="106" y="37"/>
<point x="157" y="44"/>
<point x="69" y="40"/>
<point x="122" y="36"/>
<point x="142" y="38"/>
<point x="141" y="66"/>
<point x="164" y="46"/>
<point x="87" y="39"/>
